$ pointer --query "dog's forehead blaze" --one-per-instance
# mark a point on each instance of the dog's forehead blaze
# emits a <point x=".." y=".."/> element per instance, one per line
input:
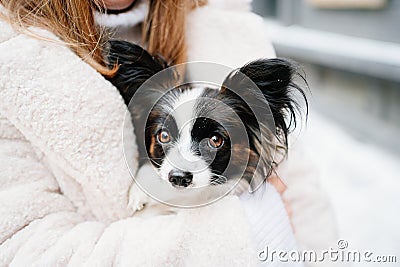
<point x="184" y="107"/>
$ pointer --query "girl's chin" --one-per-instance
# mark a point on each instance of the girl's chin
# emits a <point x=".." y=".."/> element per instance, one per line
<point x="117" y="4"/>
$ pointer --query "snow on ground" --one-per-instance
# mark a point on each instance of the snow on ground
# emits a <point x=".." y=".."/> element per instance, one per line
<point x="362" y="182"/>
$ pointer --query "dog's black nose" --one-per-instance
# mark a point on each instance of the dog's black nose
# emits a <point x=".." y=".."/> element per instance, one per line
<point x="180" y="178"/>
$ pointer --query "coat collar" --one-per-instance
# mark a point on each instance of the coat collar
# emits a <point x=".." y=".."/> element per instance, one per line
<point x="130" y="18"/>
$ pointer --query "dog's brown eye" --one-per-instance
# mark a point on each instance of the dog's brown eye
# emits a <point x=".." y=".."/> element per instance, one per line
<point x="163" y="137"/>
<point x="216" y="141"/>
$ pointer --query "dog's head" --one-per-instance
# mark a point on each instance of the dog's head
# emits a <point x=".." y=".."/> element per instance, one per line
<point x="196" y="135"/>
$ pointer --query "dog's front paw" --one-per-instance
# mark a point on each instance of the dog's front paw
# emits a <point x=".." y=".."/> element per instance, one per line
<point x="137" y="199"/>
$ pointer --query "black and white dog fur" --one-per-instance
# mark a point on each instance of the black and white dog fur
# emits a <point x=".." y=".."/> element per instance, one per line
<point x="193" y="134"/>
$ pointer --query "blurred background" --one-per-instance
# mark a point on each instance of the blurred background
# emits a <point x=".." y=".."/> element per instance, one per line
<point x="350" y="51"/>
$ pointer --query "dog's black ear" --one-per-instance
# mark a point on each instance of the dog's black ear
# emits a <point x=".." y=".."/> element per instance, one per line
<point x="275" y="79"/>
<point x="135" y="66"/>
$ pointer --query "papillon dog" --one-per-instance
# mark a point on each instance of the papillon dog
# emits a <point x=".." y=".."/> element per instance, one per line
<point x="202" y="138"/>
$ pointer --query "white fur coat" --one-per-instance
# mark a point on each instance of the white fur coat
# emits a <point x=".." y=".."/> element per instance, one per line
<point x="64" y="182"/>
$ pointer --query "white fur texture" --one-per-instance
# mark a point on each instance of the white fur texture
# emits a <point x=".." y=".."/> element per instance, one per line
<point x="63" y="180"/>
<point x="227" y="36"/>
<point x="64" y="183"/>
<point x="129" y="18"/>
